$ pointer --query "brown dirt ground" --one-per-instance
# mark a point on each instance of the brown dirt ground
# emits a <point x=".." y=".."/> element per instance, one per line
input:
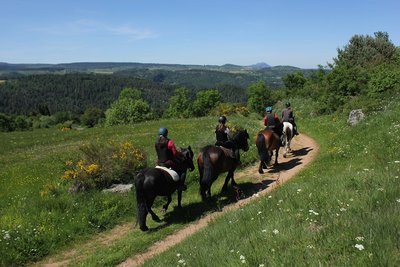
<point x="304" y="150"/>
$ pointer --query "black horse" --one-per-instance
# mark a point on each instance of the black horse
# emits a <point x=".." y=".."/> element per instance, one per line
<point x="152" y="182"/>
<point x="212" y="161"/>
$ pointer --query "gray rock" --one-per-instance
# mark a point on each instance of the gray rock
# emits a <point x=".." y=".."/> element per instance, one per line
<point x="119" y="188"/>
<point x="355" y="117"/>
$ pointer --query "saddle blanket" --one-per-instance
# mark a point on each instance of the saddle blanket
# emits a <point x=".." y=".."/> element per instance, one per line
<point x="171" y="172"/>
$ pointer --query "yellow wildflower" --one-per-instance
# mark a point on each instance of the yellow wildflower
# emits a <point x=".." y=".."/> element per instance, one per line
<point x="92" y="168"/>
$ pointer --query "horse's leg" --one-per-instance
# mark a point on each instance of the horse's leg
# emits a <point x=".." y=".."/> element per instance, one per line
<point x="165" y="206"/>
<point x="154" y="216"/>
<point x="233" y="182"/>
<point x="227" y="178"/>
<point x="179" y="199"/>
<point x="260" y="168"/>
<point x="276" y="156"/>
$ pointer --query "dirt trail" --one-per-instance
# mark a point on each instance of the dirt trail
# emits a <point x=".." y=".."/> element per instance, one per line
<point x="304" y="151"/>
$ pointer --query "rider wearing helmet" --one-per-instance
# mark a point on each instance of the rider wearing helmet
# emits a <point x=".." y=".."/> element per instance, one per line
<point x="166" y="152"/>
<point x="271" y="120"/>
<point x="287" y="116"/>
<point x="222" y="134"/>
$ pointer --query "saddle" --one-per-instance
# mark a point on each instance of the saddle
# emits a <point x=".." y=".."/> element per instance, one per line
<point x="171" y="172"/>
<point x="228" y="152"/>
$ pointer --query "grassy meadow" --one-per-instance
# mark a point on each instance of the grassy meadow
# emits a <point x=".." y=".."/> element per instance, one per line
<point x="342" y="210"/>
<point x="34" y="225"/>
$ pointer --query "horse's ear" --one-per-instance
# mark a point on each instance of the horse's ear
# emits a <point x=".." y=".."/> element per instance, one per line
<point x="189" y="147"/>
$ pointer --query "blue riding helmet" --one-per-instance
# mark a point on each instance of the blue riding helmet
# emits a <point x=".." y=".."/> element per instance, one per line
<point x="163" y="131"/>
<point x="268" y="109"/>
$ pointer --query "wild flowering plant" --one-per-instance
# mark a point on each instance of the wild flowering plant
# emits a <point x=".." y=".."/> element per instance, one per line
<point x="104" y="164"/>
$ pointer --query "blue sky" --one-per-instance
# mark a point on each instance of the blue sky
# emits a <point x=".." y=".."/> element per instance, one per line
<point x="243" y="32"/>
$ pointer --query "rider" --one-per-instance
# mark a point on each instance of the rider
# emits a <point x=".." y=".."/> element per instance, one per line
<point x="272" y="122"/>
<point x="222" y="133"/>
<point x="287" y="116"/>
<point x="166" y="151"/>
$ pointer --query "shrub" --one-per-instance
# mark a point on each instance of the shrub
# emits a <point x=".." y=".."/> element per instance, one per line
<point x="104" y="164"/>
<point x="229" y="109"/>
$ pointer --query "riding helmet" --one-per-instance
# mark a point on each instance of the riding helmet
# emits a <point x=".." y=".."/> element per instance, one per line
<point x="222" y="119"/>
<point x="163" y="131"/>
<point x="287" y="104"/>
<point x="268" y="109"/>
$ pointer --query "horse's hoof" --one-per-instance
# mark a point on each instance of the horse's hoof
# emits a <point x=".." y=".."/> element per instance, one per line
<point x="260" y="171"/>
<point x="144" y="228"/>
<point x="284" y="155"/>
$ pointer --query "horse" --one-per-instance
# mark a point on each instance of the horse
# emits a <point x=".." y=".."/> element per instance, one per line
<point x="266" y="142"/>
<point x="212" y="161"/>
<point x="287" y="137"/>
<point x="152" y="182"/>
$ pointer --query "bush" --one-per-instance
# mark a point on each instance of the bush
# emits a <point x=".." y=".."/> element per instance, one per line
<point x="229" y="109"/>
<point x="104" y="164"/>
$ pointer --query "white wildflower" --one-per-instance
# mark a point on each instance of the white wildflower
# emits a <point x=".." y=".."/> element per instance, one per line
<point x="6" y="236"/>
<point x="258" y="213"/>
<point x="359" y="246"/>
<point x="298" y="190"/>
<point x="181" y="261"/>
<point x="264" y="230"/>
<point x="397" y="161"/>
<point x="178" y="254"/>
<point x="231" y="251"/>
<point x="342" y="209"/>
<point x="313" y="212"/>
<point x="381" y="189"/>
<point x="275" y="231"/>
<point x="398" y="200"/>
<point x="310" y="246"/>
<point x="269" y="196"/>
<point x="261" y="265"/>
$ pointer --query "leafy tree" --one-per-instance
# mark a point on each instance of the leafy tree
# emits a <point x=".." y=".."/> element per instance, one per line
<point x="179" y="104"/>
<point x="367" y="51"/>
<point x="6" y="123"/>
<point x="127" y="111"/>
<point x="259" y="95"/>
<point x="205" y="101"/>
<point x="61" y="116"/>
<point x="92" y="116"/>
<point x="294" y="81"/>
<point x="130" y="93"/>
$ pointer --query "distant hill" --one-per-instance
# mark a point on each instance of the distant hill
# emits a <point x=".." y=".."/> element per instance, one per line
<point x="76" y="86"/>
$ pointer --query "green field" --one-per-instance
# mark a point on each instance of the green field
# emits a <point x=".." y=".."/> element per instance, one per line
<point x="342" y="210"/>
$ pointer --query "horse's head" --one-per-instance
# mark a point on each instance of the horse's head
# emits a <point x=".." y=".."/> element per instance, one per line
<point x="187" y="158"/>
<point x="240" y="139"/>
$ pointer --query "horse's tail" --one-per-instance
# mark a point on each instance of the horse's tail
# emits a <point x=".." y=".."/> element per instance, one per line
<point x="141" y="201"/>
<point x="261" y="147"/>
<point x="207" y="174"/>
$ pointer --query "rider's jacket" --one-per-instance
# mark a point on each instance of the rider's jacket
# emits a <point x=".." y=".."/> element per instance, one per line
<point x="221" y="133"/>
<point x="287" y="115"/>
<point x="271" y="121"/>
<point x="165" y="149"/>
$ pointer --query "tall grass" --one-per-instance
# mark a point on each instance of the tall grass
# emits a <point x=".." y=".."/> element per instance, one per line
<point x="33" y="226"/>
<point x="343" y="210"/>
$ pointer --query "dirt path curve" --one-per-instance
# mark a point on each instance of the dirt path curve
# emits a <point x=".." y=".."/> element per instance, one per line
<point x="304" y="151"/>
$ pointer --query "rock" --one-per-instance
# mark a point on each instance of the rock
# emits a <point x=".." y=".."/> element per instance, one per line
<point x="119" y="188"/>
<point x="355" y="116"/>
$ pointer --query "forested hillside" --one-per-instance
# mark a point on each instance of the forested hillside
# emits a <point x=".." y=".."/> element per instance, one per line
<point x="75" y="92"/>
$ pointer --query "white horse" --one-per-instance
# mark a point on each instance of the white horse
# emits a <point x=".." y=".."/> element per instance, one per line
<point x="287" y="137"/>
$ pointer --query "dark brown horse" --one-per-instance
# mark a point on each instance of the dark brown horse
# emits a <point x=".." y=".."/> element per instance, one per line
<point x="266" y="142"/>
<point x="213" y="160"/>
<point x="152" y="182"/>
